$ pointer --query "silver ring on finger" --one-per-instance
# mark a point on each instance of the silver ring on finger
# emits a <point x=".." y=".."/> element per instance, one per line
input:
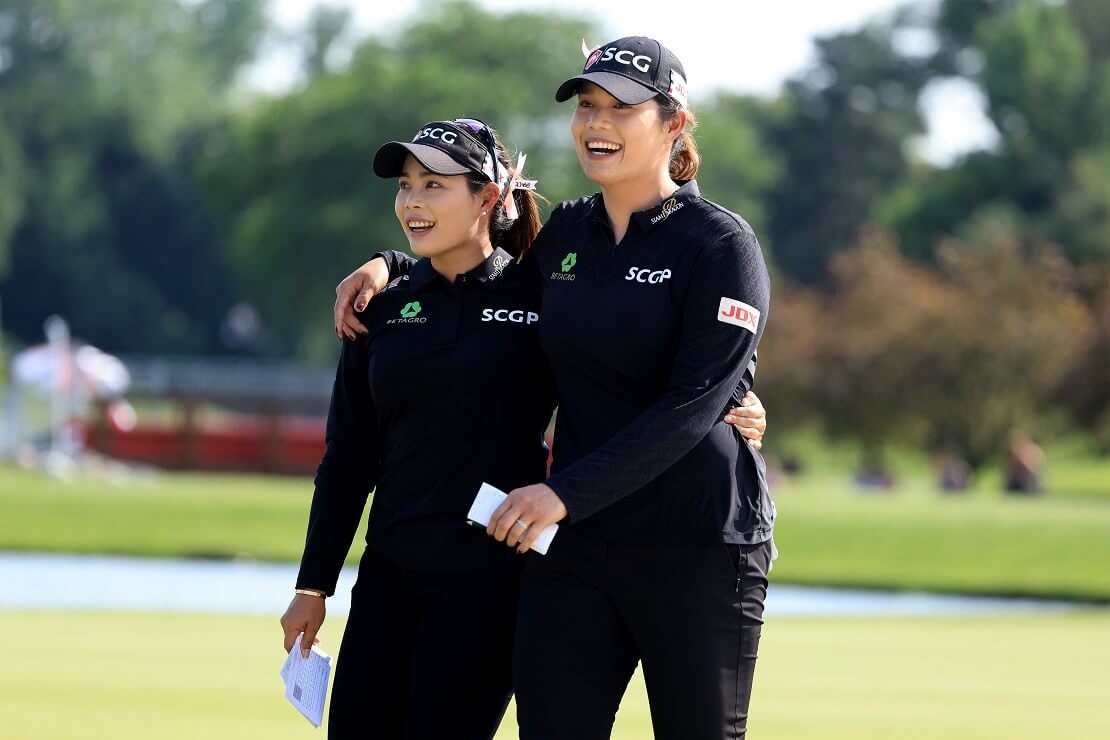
<point x="520" y="523"/>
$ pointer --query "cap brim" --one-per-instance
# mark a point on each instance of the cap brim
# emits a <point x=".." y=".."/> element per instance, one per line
<point x="624" y="89"/>
<point x="390" y="160"/>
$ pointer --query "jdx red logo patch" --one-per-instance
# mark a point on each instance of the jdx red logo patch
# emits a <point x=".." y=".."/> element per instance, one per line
<point x="739" y="313"/>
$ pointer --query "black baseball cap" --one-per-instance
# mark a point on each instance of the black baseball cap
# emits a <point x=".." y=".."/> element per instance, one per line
<point x="444" y="147"/>
<point x="633" y="69"/>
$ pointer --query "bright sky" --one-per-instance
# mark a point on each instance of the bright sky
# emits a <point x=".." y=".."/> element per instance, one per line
<point x="745" y="46"/>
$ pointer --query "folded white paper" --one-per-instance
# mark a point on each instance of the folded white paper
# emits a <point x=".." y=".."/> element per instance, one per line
<point x="306" y="681"/>
<point x="487" y="501"/>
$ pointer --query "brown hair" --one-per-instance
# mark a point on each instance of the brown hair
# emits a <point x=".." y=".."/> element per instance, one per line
<point x="515" y="237"/>
<point x="684" y="151"/>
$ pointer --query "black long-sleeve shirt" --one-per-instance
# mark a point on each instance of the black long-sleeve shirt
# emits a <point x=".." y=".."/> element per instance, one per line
<point x="650" y="342"/>
<point x="448" y="390"/>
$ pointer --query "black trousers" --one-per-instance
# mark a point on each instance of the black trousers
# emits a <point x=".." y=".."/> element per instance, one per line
<point x="691" y="614"/>
<point x="426" y="654"/>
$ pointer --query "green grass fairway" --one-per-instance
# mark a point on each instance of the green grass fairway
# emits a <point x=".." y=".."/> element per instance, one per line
<point x="916" y="538"/>
<point x="156" y="514"/>
<point x="142" y="676"/>
<point x="829" y="533"/>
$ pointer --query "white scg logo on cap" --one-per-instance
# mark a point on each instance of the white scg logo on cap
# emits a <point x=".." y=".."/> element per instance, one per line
<point x="447" y="137"/>
<point x="623" y="56"/>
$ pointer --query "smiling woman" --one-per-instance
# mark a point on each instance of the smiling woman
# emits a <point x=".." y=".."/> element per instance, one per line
<point x="414" y="416"/>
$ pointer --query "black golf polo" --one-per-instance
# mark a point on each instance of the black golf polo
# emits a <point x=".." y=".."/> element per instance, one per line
<point x="650" y="341"/>
<point x="448" y="390"/>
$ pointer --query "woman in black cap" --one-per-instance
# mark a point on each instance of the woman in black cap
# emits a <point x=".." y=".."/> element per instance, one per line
<point x="448" y="389"/>
<point x="654" y="300"/>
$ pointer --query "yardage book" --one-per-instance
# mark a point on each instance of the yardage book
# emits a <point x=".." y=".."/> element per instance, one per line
<point x="306" y="681"/>
<point x="487" y="501"/>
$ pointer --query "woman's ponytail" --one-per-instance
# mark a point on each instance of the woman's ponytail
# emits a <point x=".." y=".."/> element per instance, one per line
<point x="685" y="158"/>
<point x="515" y="236"/>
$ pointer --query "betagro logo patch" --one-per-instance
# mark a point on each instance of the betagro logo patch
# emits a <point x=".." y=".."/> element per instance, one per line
<point x="410" y="314"/>
<point x="566" y="267"/>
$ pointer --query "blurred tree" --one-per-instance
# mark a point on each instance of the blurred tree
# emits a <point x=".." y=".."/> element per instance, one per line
<point x="876" y="307"/>
<point x="1081" y="219"/>
<point x="1003" y="362"/>
<point x="841" y="132"/>
<point x="96" y="99"/>
<point x="11" y="199"/>
<point x="1044" y="69"/>
<point x="1086" y="387"/>
<point x="789" y="366"/>
<point x="1044" y="90"/>
<point x="954" y="360"/>
<point x="167" y="63"/>
<point x="737" y="169"/>
<point x="327" y="27"/>
<point x="957" y="24"/>
<point x="1092" y="18"/>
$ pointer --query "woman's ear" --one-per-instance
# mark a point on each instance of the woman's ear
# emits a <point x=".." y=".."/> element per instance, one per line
<point x="490" y="194"/>
<point x="677" y="124"/>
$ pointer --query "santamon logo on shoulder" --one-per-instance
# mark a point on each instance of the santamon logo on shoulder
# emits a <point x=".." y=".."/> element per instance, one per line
<point x="669" y="207"/>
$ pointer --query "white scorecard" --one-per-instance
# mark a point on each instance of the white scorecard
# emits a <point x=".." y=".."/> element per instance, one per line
<point x="306" y="681"/>
<point x="487" y="501"/>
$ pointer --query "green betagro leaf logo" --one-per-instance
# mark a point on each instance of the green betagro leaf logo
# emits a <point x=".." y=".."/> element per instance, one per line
<point x="570" y="261"/>
<point x="410" y="310"/>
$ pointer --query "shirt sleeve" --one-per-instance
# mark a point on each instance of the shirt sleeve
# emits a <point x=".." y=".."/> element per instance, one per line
<point x="399" y="263"/>
<point x="724" y="315"/>
<point x="346" y="474"/>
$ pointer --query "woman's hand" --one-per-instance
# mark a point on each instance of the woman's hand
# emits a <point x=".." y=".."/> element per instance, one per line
<point x="750" y="419"/>
<point x="354" y="293"/>
<point x="305" y="614"/>
<point x="521" y="517"/>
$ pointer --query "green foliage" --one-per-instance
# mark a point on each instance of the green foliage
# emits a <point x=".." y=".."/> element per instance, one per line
<point x="958" y="360"/>
<point x="11" y="201"/>
<point x="956" y="25"/>
<point x="326" y="27"/>
<point x="1082" y="219"/>
<point x="162" y="62"/>
<point x="841" y="136"/>
<point x="1085" y="392"/>
<point x="1044" y="69"/>
<point x="1044" y="90"/>
<point x="737" y="169"/>
<point x="97" y="99"/>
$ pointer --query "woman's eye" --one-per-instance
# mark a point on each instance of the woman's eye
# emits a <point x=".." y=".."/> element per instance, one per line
<point x="403" y="186"/>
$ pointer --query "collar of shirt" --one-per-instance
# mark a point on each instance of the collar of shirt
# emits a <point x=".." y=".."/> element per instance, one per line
<point x="651" y="217"/>
<point x="487" y="273"/>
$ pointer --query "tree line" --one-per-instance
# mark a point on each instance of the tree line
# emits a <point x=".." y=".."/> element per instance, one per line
<point x="163" y="207"/>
